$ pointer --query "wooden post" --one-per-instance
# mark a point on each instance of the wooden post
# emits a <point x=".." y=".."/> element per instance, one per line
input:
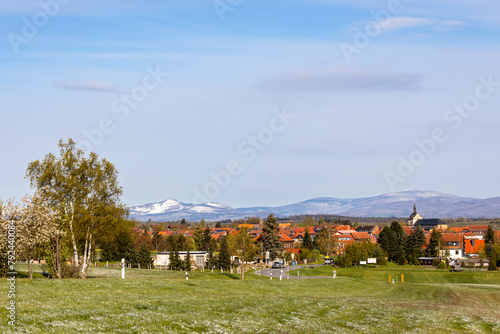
<point x="123" y="268"/>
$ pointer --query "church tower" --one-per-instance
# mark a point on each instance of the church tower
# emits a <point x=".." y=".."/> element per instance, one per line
<point x="412" y="220"/>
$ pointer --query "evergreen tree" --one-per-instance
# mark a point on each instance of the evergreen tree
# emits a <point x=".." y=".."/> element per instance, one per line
<point x="307" y="241"/>
<point x="181" y="242"/>
<point x="205" y="239"/>
<point x="131" y="255"/>
<point x="211" y="248"/>
<point x="144" y="257"/>
<point x="224" y="257"/>
<point x="402" y="259"/>
<point x="270" y="238"/>
<point x="392" y="240"/>
<point x="156" y="239"/>
<point x="489" y="241"/>
<point x="175" y="262"/>
<point x="414" y="245"/>
<point x="434" y="243"/>
<point x="170" y="243"/>
<point x="218" y="225"/>
<point x="489" y="237"/>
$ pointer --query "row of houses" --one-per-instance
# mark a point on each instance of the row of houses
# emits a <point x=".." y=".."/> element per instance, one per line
<point x="456" y="242"/>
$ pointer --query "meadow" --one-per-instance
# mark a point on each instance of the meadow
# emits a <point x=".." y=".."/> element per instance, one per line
<point x="359" y="300"/>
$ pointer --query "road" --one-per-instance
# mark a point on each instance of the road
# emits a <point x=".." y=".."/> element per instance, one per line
<point x="275" y="273"/>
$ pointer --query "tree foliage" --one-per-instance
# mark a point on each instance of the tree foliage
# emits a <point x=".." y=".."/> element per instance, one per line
<point x="224" y="260"/>
<point x="361" y="251"/>
<point x="244" y="246"/>
<point x="307" y="241"/>
<point x="38" y="224"/>
<point x="392" y="240"/>
<point x="270" y="237"/>
<point x="415" y="243"/>
<point x="325" y="241"/>
<point x="84" y="190"/>
<point x="434" y="243"/>
<point x="144" y="257"/>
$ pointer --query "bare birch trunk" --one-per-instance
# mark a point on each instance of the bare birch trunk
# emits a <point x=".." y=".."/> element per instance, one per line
<point x="75" y="250"/>
<point x="86" y="254"/>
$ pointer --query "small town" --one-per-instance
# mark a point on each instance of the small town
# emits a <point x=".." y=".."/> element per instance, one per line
<point x="463" y="246"/>
<point x="263" y="166"/>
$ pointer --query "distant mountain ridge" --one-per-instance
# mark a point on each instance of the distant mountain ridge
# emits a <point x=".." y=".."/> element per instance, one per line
<point x="430" y="204"/>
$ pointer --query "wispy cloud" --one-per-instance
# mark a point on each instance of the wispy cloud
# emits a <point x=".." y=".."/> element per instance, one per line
<point x="95" y="86"/>
<point x="341" y="79"/>
<point x="403" y="22"/>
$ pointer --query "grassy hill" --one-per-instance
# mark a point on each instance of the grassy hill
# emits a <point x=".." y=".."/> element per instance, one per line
<point x="359" y="300"/>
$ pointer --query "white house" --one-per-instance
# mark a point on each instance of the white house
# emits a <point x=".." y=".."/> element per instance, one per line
<point x="198" y="258"/>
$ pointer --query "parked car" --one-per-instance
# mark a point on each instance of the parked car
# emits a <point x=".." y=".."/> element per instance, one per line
<point x="278" y="264"/>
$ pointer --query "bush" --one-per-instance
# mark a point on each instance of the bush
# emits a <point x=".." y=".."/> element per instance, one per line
<point x="493" y="262"/>
<point x="71" y="271"/>
<point x="402" y="260"/>
<point x="436" y="262"/>
<point x="442" y="265"/>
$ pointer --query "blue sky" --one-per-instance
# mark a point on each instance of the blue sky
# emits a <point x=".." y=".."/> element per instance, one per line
<point x="365" y="85"/>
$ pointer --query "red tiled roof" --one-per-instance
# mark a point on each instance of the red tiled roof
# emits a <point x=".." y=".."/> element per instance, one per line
<point x="360" y="235"/>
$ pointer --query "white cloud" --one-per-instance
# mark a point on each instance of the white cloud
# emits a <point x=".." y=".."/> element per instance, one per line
<point x="96" y="86"/>
<point x="342" y="79"/>
<point x="393" y="24"/>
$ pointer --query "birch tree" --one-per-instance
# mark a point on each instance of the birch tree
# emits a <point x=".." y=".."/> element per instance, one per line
<point x="85" y="192"/>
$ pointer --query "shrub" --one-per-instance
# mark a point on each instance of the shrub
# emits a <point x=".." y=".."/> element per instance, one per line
<point x="493" y="262"/>
<point x="442" y="265"/>
<point x="436" y="262"/>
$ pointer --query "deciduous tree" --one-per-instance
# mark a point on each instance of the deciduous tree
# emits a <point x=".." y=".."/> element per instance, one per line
<point x="84" y="190"/>
<point x="243" y="244"/>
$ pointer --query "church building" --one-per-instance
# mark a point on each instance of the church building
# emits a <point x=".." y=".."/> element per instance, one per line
<point x="426" y="224"/>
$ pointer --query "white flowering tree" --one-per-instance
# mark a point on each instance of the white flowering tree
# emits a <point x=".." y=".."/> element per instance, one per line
<point x="37" y="225"/>
<point x="9" y="214"/>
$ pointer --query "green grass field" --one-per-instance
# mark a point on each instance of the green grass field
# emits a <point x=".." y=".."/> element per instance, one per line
<point x="357" y="301"/>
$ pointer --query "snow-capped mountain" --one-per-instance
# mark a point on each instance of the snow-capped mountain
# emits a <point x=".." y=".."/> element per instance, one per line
<point x="172" y="209"/>
<point x="430" y="204"/>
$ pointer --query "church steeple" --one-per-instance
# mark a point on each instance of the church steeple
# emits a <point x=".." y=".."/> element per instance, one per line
<point x="414" y="207"/>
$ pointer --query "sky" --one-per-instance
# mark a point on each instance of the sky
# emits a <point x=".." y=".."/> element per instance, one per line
<point x="256" y="103"/>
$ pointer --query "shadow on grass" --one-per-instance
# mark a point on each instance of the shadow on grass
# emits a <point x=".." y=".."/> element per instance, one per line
<point x="231" y="276"/>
